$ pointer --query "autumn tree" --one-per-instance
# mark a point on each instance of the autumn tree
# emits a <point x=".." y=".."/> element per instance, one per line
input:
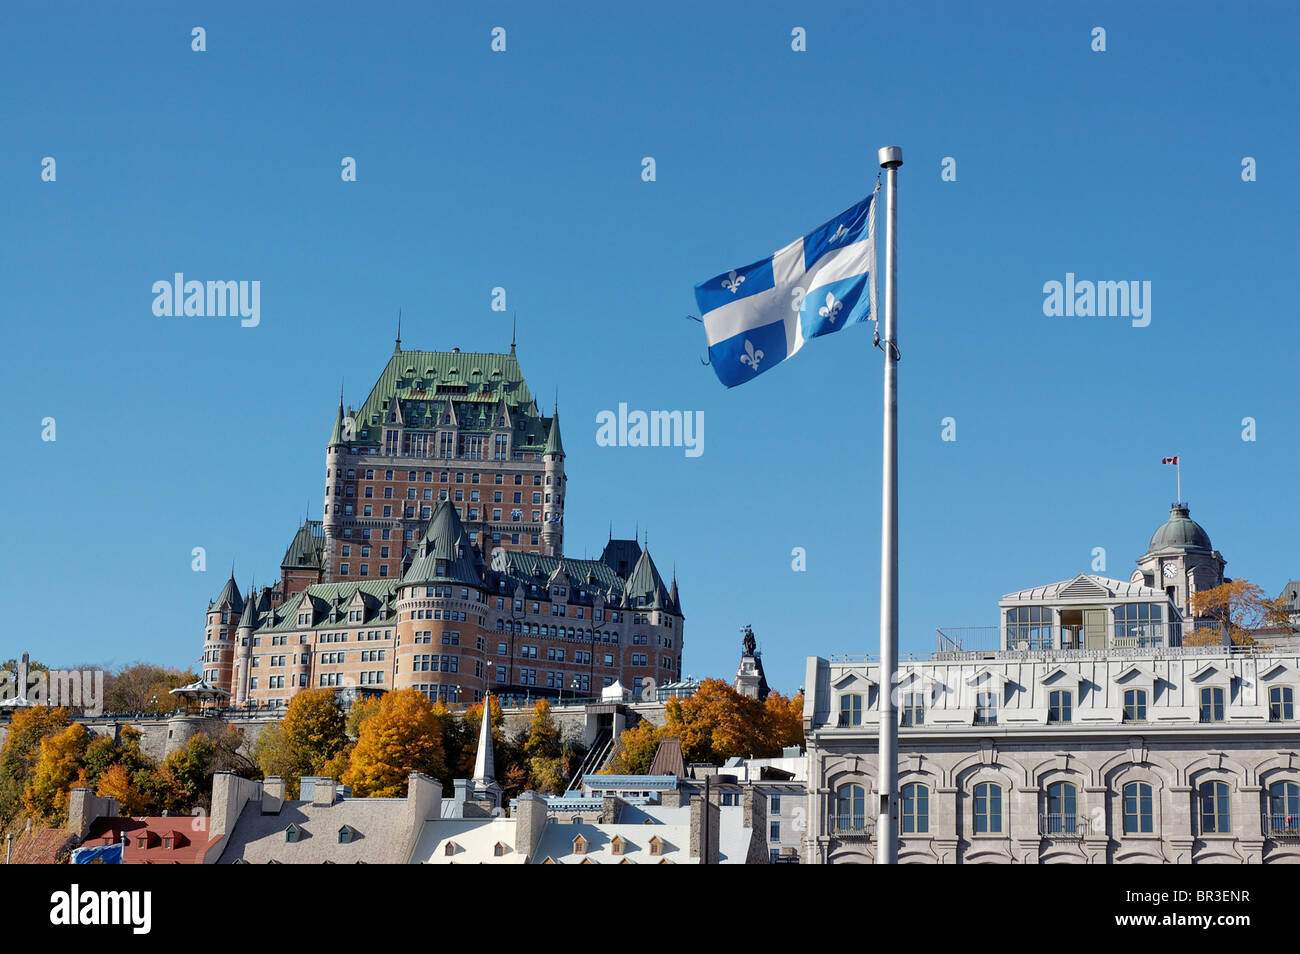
<point x="116" y="782"/>
<point x="45" y="797"/>
<point x="403" y="736"/>
<point x="715" y="724"/>
<point x="635" y="751"/>
<point x="783" y="721"/>
<point x="1239" y="605"/>
<point x="20" y="753"/>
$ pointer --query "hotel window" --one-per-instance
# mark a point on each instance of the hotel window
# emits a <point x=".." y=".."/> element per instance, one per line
<point x="1138" y="815"/>
<point x="1212" y="704"/>
<point x="775" y="832"/>
<point x="988" y="808"/>
<point x="1135" y="705"/>
<point x="986" y="708"/>
<point x="1283" y="810"/>
<point x="913" y="713"/>
<point x="916" y="809"/>
<point x="1060" y="706"/>
<point x="1062" y="809"/>
<point x="1281" y="704"/>
<point x="850" y="710"/>
<point x="774" y="804"/>
<point x="850" y="813"/>
<point x="1216" y="810"/>
<point x="1031" y="625"/>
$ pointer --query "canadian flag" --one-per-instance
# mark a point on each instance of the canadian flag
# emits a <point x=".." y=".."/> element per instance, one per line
<point x="1169" y="460"/>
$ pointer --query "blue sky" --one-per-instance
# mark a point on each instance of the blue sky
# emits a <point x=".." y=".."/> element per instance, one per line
<point x="522" y="169"/>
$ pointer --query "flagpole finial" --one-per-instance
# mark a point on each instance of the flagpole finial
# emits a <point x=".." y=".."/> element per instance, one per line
<point x="398" y="346"/>
<point x="514" y="327"/>
<point x="891" y="157"/>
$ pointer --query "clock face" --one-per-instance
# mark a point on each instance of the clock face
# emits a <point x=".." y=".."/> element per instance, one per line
<point x="1169" y="571"/>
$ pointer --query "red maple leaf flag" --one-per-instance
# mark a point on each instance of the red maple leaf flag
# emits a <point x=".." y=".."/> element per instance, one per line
<point x="1169" y="460"/>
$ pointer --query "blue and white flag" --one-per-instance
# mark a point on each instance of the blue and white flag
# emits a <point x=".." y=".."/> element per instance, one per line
<point x="757" y="316"/>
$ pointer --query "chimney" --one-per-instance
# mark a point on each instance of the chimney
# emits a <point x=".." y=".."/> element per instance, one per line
<point x="272" y="795"/>
<point x="230" y="794"/>
<point x="324" y="791"/>
<point x="530" y="821"/>
<point x="671" y="798"/>
<point x="85" y="807"/>
<point x="423" y="804"/>
<point x="610" y="809"/>
<point x="698" y="823"/>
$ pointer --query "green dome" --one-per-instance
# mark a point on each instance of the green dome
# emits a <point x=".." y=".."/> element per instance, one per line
<point x="1180" y="532"/>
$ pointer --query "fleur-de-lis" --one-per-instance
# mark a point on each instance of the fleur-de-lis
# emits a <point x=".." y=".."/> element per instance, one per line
<point x="832" y="307"/>
<point x="732" y="282"/>
<point x="839" y="234"/>
<point x="751" y="356"/>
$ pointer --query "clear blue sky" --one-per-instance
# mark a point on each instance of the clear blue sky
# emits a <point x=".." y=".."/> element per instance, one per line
<point x="523" y="170"/>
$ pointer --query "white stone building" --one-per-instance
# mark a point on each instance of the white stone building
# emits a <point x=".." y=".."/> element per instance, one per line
<point x="1086" y="731"/>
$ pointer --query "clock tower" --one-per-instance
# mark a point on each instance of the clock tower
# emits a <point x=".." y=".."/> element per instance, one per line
<point x="1181" y="560"/>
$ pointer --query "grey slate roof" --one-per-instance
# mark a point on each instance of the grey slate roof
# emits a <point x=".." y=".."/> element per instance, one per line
<point x="381" y="825"/>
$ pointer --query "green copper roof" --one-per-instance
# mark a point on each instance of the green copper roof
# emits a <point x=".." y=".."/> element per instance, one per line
<point x="1181" y="532"/>
<point x="553" y="443"/>
<point x="465" y="388"/>
<point x="645" y="583"/>
<point x="327" y="600"/>
<point x="445" y="554"/>
<point x="307" y="548"/>
<point x="229" y="596"/>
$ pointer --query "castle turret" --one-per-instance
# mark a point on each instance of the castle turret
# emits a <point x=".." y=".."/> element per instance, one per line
<point x="334" y="478"/>
<point x="553" y="514"/>
<point x="244" y="649"/>
<point x="218" y="636"/>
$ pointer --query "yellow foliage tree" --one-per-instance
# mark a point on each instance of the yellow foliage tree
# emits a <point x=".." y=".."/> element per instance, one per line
<point x="20" y="753"/>
<point x="59" y="766"/>
<point x="403" y="736"/>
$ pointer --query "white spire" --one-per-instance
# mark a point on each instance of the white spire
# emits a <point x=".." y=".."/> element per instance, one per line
<point x="484" y="762"/>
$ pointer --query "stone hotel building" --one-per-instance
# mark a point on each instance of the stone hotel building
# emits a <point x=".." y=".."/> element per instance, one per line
<point x="438" y="563"/>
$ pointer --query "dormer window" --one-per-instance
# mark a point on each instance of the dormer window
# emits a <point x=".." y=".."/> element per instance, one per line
<point x="292" y="834"/>
<point x="579" y="845"/>
<point x="656" y="846"/>
<point x="617" y="845"/>
<point x="449" y="849"/>
<point x="346" y="835"/>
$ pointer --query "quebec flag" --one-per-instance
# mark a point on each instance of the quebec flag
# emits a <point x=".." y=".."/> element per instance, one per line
<point x="757" y="316"/>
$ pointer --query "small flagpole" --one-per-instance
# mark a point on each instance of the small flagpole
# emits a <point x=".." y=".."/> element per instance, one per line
<point x="891" y="157"/>
<point x="1178" y="468"/>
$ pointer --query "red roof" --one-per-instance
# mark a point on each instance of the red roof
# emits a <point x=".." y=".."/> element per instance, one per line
<point x="164" y="840"/>
<point x="42" y="846"/>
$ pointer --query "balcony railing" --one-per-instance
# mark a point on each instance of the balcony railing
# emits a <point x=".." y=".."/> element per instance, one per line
<point x="851" y="826"/>
<point x="1063" y="826"/>
<point x="1282" y="827"/>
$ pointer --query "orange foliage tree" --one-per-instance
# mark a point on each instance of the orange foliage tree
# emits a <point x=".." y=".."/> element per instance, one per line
<point x="1241" y="606"/>
<point x="715" y="724"/>
<point x="402" y="736"/>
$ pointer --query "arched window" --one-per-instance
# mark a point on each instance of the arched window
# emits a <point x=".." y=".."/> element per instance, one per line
<point x="916" y="809"/>
<point x="1138" y="813"/>
<point x="1216" y="809"/>
<point x="988" y="808"/>
<point x="1283" y="809"/>
<point x="850" y="813"/>
<point x="1062" y="809"/>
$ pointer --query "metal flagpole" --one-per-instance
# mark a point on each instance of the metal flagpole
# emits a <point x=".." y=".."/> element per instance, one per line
<point x="891" y="157"/>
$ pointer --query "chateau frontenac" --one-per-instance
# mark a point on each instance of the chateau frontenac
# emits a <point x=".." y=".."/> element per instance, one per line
<point x="438" y="562"/>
